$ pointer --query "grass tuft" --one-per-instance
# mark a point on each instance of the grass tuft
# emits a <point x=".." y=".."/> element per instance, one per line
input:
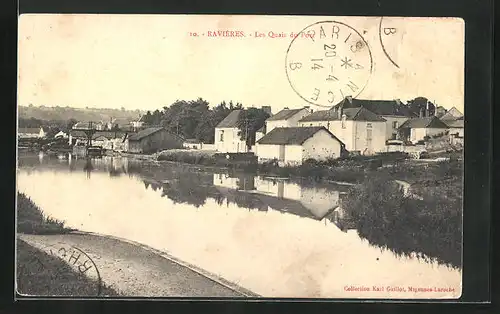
<point x="32" y="220"/>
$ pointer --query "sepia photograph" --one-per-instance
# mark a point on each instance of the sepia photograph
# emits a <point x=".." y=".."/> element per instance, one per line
<point x="240" y="156"/>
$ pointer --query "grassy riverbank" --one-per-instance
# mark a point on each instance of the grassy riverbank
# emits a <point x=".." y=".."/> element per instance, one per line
<point x="430" y="223"/>
<point x="39" y="273"/>
<point x="32" y="220"/>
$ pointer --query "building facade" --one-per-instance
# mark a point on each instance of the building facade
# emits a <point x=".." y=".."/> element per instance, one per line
<point x="358" y="128"/>
<point x="286" y="118"/>
<point x="293" y="146"/>
<point x="227" y="139"/>
<point x="418" y="129"/>
<point x="392" y="111"/>
<point x="152" y="140"/>
<point x="26" y="133"/>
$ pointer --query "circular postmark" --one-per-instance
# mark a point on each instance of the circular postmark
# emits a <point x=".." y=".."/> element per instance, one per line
<point x="63" y="270"/>
<point x="328" y="61"/>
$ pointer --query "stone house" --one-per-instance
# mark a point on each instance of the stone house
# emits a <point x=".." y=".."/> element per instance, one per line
<point x="417" y="129"/>
<point x="152" y="140"/>
<point x="31" y="133"/>
<point x="360" y="129"/>
<point x="227" y="139"/>
<point x="292" y="146"/>
<point x="393" y="111"/>
<point x="286" y="118"/>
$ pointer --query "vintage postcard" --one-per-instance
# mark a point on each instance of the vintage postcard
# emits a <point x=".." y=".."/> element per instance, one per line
<point x="242" y="156"/>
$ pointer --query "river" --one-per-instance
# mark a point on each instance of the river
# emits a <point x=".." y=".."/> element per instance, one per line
<point x="275" y="237"/>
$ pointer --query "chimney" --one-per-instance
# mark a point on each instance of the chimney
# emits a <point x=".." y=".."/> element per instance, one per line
<point x="267" y="109"/>
<point x="286" y="108"/>
<point x="340" y="111"/>
<point x="421" y="112"/>
<point x="349" y="98"/>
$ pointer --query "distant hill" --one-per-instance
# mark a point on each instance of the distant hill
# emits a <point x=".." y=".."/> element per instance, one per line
<point x="79" y="114"/>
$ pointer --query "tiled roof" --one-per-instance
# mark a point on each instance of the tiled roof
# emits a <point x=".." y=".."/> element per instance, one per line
<point x="231" y="121"/>
<point x="144" y="133"/>
<point x="292" y="136"/>
<point x="284" y="114"/>
<point x="459" y="123"/>
<point x="121" y="122"/>
<point x="428" y="122"/>
<point x="29" y="130"/>
<point x="354" y="114"/>
<point x="380" y="107"/>
<point x="452" y="114"/>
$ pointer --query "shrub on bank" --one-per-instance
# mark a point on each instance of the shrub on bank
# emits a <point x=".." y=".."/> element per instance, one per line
<point x="314" y="170"/>
<point x="388" y="218"/>
<point x="31" y="219"/>
<point x="190" y="157"/>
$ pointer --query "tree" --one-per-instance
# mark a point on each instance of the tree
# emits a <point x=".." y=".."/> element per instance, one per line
<point x="249" y="122"/>
<point x="183" y="117"/>
<point x="148" y="118"/>
<point x="421" y="104"/>
<point x="205" y="130"/>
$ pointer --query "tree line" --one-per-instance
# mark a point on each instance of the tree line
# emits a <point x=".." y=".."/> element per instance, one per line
<point x="196" y="120"/>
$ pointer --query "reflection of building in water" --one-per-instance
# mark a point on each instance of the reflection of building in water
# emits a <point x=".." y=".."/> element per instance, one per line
<point x="318" y="201"/>
<point x="340" y="218"/>
<point x="278" y="194"/>
<point x="88" y="167"/>
<point x="113" y="165"/>
<point x="243" y="182"/>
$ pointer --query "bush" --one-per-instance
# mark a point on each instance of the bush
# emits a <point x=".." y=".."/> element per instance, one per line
<point x="31" y="219"/>
<point x="431" y="227"/>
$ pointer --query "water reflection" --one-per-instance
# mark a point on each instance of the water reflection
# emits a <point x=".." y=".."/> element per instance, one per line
<point x="185" y="184"/>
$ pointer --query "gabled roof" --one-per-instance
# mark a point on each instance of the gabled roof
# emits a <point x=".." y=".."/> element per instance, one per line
<point x="284" y="114"/>
<point x="379" y="107"/>
<point x="293" y="136"/>
<point x="29" y="130"/>
<point x="452" y="114"/>
<point x="231" y="121"/>
<point x="121" y="122"/>
<point x="459" y="123"/>
<point x="144" y="133"/>
<point x="354" y="114"/>
<point x="428" y="122"/>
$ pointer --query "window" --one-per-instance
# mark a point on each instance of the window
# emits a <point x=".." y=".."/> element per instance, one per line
<point x="221" y="136"/>
<point x="368" y="125"/>
<point x="395" y="124"/>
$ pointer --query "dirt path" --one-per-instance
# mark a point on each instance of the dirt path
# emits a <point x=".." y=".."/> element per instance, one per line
<point x="138" y="271"/>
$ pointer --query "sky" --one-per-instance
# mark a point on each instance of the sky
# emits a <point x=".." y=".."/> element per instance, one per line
<point x="148" y="61"/>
